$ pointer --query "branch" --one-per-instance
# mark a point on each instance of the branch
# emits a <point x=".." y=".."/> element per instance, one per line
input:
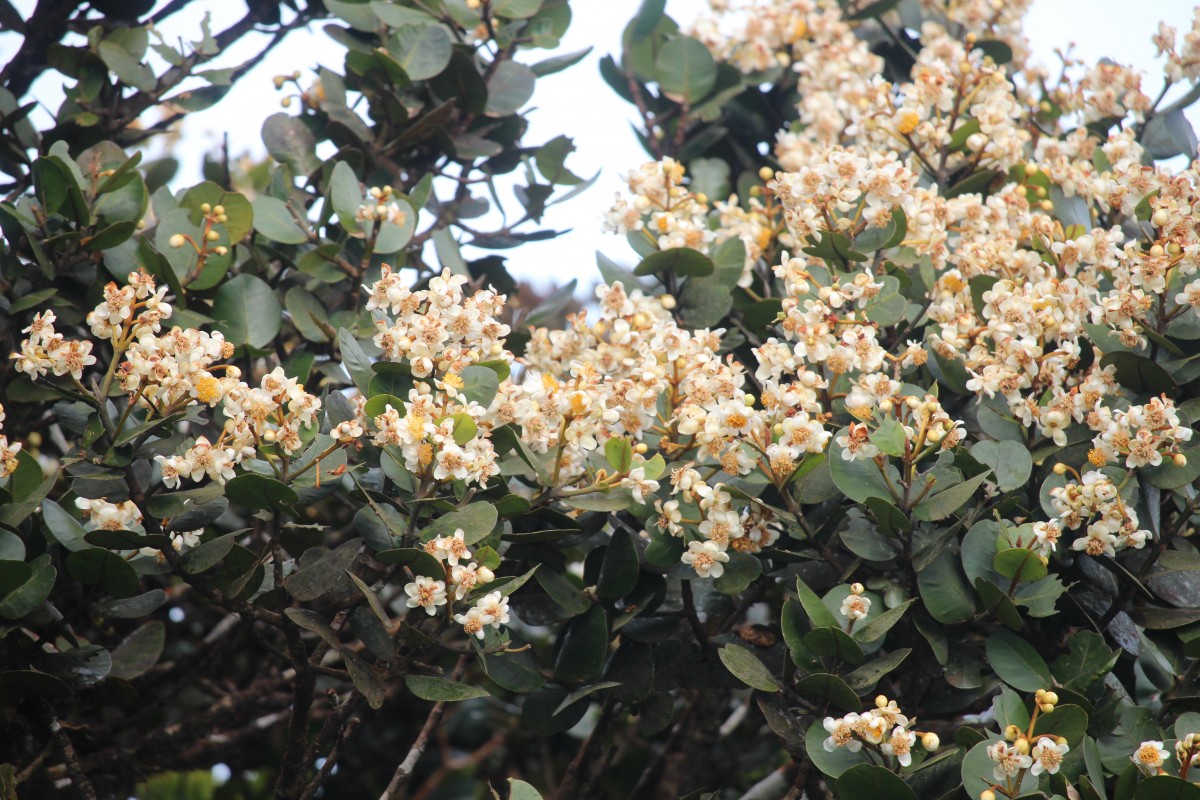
<point x="79" y="779"/>
<point x="404" y="772"/>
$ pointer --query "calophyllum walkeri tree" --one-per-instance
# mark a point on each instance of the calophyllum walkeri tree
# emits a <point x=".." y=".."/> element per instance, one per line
<point x="868" y="471"/>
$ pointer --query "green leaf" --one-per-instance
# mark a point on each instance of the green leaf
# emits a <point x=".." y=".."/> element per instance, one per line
<point x="311" y="621"/>
<point x="827" y="689"/>
<point x="208" y="554"/>
<point x="819" y="615"/>
<point x="480" y="384"/>
<point x="833" y="642"/>
<point x="247" y="311"/>
<point x="858" y="480"/>
<point x="520" y="790"/>
<point x="677" y="260"/>
<point x="866" y="676"/>
<point x="685" y="70"/>
<point x="290" y="142"/>
<point x="476" y="521"/>
<point x="323" y="573"/>
<point x="258" y="491"/>
<point x="871" y="782"/>
<point x="104" y="569"/>
<point x="645" y="22"/>
<point x="441" y="689"/>
<point x="1017" y="663"/>
<point x="1068" y="721"/>
<point x="63" y="527"/>
<point x="308" y="315"/>
<point x="418" y="560"/>
<point x="550" y="66"/>
<point x="619" y="453"/>
<point x="1166" y="787"/>
<point x="875" y="629"/>
<point x="889" y="437"/>
<point x="620" y="569"/>
<point x="563" y="592"/>
<point x="1020" y="564"/>
<point x="273" y="220"/>
<point x="945" y="593"/>
<point x="746" y="667"/>
<point x="945" y="503"/>
<point x="584" y="647"/>
<point x="32" y="593"/>
<point x="365" y="679"/>
<point x="1010" y="462"/>
<point x="509" y="88"/>
<point x="1139" y="374"/>
<point x="1089" y="659"/>
<point x="516" y="9"/>
<point x="422" y="51"/>
<point x="740" y="571"/>
<point x="139" y="652"/>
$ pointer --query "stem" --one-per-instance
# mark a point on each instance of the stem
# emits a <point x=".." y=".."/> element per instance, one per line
<point x="404" y="772"/>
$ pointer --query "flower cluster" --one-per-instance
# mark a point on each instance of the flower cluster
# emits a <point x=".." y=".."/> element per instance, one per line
<point x="48" y="351"/>
<point x="664" y="210"/>
<point x="1140" y="435"/>
<point x="383" y="209"/>
<point x="462" y="577"/>
<point x="101" y="515"/>
<point x="8" y="452"/>
<point x="883" y="727"/>
<point x="1024" y="751"/>
<point x="1093" y="502"/>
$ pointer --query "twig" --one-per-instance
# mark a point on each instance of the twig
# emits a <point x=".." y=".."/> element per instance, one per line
<point x="79" y="779"/>
<point x="404" y="772"/>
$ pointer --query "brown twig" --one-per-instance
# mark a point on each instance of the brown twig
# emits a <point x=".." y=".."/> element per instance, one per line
<point x="404" y="771"/>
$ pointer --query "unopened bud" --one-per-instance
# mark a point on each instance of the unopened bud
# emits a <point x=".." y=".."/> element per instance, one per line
<point x="881" y="701"/>
<point x="1060" y="469"/>
<point x="765" y="173"/>
<point x="1012" y="732"/>
<point x="485" y="575"/>
<point x="1021" y="746"/>
<point x="1179" y="459"/>
<point x="1160" y="217"/>
<point x="221" y="250"/>
<point x="279" y="80"/>
<point x="205" y="208"/>
<point x="668" y="301"/>
<point x="987" y="794"/>
<point x="857" y="588"/>
<point x="176" y="240"/>
<point x="212" y="236"/>
<point x="930" y="741"/>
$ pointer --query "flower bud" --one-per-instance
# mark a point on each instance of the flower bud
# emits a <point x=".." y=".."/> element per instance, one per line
<point x="1012" y="732"/>
<point x="286" y="102"/>
<point x="1160" y="217"/>
<point x="218" y="210"/>
<point x="930" y="741"/>
<point x="1060" y="469"/>
<point x="1157" y="251"/>
<point x="1047" y="707"/>
<point x="485" y="575"/>
<point x="987" y="794"/>
<point x="1051" y="698"/>
<point x="221" y="250"/>
<point x="205" y="208"/>
<point x="668" y="301"/>
<point x="176" y="240"/>
<point x="212" y="236"/>
<point x="765" y="173"/>
<point x="1021" y="746"/>
<point x="1179" y="459"/>
<point x="881" y="701"/>
<point x="857" y="588"/>
<point x="279" y="80"/>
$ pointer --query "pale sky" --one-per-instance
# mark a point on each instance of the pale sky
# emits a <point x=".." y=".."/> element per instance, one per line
<point x="579" y="104"/>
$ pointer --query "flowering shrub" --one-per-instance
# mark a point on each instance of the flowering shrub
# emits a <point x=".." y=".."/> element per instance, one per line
<point x="873" y="477"/>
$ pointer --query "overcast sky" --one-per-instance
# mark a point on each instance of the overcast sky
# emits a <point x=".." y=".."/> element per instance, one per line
<point x="578" y="103"/>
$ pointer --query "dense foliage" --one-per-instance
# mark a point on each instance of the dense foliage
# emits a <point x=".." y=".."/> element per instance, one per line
<point x="874" y="476"/>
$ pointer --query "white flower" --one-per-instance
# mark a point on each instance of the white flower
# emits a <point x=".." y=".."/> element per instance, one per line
<point x="426" y="593"/>
<point x="1149" y="757"/>
<point x="900" y="745"/>
<point x="706" y="558"/>
<point x="841" y="733"/>
<point x="1009" y="762"/>
<point x="1047" y="756"/>
<point x="473" y="622"/>
<point x="493" y="608"/>
<point x="856" y="606"/>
